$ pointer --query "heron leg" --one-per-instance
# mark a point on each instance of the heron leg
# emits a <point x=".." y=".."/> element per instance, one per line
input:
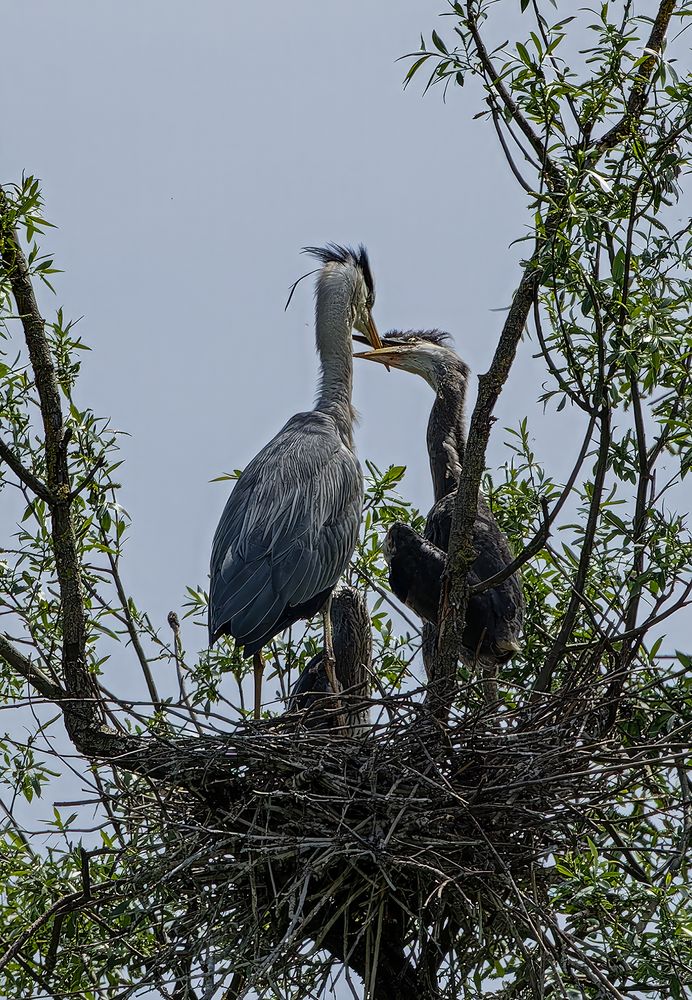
<point x="258" y="665"/>
<point x="489" y="681"/>
<point x="330" y="665"/>
<point x="487" y="670"/>
<point x="329" y="658"/>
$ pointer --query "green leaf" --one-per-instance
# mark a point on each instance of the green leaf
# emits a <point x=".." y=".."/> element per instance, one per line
<point x="438" y="43"/>
<point x="524" y="55"/>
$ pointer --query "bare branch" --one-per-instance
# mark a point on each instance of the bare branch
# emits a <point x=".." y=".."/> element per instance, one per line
<point x="505" y="149"/>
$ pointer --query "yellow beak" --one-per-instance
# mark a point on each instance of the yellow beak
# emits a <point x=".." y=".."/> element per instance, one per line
<point x="373" y="335"/>
<point x="385" y="355"/>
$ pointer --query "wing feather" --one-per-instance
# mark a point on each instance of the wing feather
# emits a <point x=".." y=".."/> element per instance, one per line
<point x="288" y="529"/>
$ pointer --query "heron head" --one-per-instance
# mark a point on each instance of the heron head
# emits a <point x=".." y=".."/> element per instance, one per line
<point x="351" y="268"/>
<point x="422" y="352"/>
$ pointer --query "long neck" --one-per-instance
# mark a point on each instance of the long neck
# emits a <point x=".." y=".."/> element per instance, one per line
<point x="446" y="436"/>
<point x="333" y="336"/>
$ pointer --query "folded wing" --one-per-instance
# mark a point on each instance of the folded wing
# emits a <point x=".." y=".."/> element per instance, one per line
<point x="286" y="534"/>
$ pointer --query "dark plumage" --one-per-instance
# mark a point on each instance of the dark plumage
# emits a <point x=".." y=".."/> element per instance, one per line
<point x="494" y="617"/>
<point x="352" y="640"/>
<point x="404" y="548"/>
<point x="485" y="632"/>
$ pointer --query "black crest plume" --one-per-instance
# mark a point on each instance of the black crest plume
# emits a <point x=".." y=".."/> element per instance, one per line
<point x="411" y="336"/>
<point x="334" y="253"/>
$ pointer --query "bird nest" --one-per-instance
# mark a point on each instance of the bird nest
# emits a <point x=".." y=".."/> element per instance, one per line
<point x="300" y="844"/>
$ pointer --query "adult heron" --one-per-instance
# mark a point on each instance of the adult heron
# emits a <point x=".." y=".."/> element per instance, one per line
<point x="352" y="639"/>
<point x="495" y="616"/>
<point x="290" y="525"/>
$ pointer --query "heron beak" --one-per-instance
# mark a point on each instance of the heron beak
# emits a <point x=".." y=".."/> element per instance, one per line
<point x="385" y="355"/>
<point x="373" y="335"/>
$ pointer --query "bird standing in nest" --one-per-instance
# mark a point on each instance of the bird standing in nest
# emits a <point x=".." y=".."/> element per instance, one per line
<point x="352" y="637"/>
<point x="290" y="525"/>
<point x="495" y="616"/>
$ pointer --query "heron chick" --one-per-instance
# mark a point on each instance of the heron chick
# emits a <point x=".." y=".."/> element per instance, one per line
<point x="494" y="617"/>
<point x="352" y="635"/>
<point x="291" y="523"/>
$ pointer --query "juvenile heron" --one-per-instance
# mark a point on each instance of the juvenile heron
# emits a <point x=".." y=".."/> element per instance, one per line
<point x="494" y="617"/>
<point x="291" y="523"/>
<point x="352" y="637"/>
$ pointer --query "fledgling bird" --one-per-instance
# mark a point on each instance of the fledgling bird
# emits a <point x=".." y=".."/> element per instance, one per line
<point x="494" y="617"/>
<point x="291" y="523"/>
<point x="352" y="638"/>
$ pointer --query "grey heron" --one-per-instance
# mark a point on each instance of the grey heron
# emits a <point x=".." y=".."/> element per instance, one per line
<point x="495" y="616"/>
<point x="352" y="638"/>
<point x="291" y="523"/>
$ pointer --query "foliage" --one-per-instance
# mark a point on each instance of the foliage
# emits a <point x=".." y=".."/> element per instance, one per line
<point x="537" y="847"/>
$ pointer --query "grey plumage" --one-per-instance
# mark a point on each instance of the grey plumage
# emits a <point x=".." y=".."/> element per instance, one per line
<point x="494" y="617"/>
<point x="352" y="636"/>
<point x="287" y="533"/>
<point x="291" y="522"/>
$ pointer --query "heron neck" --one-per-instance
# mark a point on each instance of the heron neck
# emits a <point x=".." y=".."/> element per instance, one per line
<point x="333" y="335"/>
<point x="446" y="436"/>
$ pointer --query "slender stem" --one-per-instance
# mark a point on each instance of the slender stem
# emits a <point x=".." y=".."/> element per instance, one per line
<point x="133" y="633"/>
<point x="543" y="533"/>
<point x="556" y="651"/>
<point x="496" y="83"/>
<point x="505" y="149"/>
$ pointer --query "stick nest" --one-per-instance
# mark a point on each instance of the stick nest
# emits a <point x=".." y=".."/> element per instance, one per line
<point x="297" y="840"/>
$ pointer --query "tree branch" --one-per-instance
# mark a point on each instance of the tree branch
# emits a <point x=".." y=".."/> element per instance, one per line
<point x="23" y="666"/>
<point x="133" y="633"/>
<point x="494" y="114"/>
<point x="543" y="533"/>
<point x="552" y="173"/>
<point x="23" y="474"/>
<point x="83" y="712"/>
<point x="636" y="102"/>
<point x="460" y="555"/>
<point x="557" y="649"/>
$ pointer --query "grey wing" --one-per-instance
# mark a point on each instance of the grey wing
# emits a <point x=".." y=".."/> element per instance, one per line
<point x="287" y="532"/>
